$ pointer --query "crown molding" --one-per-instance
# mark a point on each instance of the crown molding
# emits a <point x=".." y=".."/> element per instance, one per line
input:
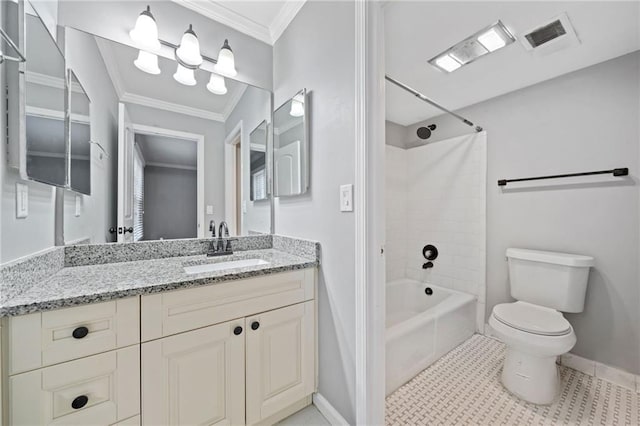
<point x="132" y="98"/>
<point x="282" y="20"/>
<point x="171" y="166"/>
<point x="267" y="34"/>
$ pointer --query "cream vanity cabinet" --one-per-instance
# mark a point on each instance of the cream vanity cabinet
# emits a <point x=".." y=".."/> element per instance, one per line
<point x="231" y="353"/>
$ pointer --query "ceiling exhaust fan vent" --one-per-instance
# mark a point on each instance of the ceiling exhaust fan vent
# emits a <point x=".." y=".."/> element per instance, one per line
<point x="556" y="34"/>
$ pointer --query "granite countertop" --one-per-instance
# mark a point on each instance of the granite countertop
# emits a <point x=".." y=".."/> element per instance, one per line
<point x="77" y="285"/>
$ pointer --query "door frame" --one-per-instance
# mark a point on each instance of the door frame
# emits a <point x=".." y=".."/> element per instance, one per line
<point x="230" y="173"/>
<point x="199" y="139"/>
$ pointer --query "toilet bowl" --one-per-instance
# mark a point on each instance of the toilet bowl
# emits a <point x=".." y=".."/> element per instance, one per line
<point x="545" y="284"/>
<point x="535" y="336"/>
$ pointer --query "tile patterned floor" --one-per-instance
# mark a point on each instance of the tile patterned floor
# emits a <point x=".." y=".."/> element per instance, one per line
<point x="463" y="388"/>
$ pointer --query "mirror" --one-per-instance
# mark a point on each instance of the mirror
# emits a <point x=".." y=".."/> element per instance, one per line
<point x="291" y="147"/>
<point x="79" y="137"/>
<point x="258" y="163"/>
<point x="168" y="158"/>
<point x="45" y="91"/>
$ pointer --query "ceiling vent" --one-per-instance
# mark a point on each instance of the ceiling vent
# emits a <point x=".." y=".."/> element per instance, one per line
<point x="555" y="34"/>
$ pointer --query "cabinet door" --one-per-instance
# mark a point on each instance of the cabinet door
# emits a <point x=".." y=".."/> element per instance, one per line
<point x="280" y="359"/>
<point x="195" y="378"/>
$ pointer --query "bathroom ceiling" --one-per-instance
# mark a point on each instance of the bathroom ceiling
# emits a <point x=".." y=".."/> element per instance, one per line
<point x="137" y="87"/>
<point x="264" y="20"/>
<point x="417" y="31"/>
<point x="168" y="152"/>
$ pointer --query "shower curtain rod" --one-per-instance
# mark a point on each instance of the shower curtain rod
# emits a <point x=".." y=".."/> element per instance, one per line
<point x="432" y="103"/>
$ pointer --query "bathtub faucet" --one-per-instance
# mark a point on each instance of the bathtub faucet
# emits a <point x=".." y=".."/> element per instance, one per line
<point x="427" y="265"/>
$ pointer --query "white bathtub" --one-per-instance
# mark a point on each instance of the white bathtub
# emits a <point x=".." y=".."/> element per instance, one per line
<point x="422" y="328"/>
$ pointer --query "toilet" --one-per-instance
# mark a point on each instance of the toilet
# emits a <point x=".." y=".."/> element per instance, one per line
<point x="544" y="284"/>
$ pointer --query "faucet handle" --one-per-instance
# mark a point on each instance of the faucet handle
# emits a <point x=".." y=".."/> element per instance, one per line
<point x="212" y="228"/>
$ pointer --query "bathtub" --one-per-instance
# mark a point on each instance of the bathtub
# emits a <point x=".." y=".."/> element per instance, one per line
<point x="421" y="328"/>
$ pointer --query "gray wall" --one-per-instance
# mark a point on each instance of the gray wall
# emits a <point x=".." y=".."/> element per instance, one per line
<point x="322" y="35"/>
<point x="585" y="120"/>
<point x="395" y="134"/>
<point x="170" y="203"/>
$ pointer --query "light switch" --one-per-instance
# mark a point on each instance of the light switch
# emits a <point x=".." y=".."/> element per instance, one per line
<point x="78" y="205"/>
<point x="346" y="198"/>
<point x="209" y="209"/>
<point x="22" y="200"/>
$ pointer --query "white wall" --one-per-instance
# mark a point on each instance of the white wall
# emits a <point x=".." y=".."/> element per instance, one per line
<point x="322" y="35"/>
<point x="98" y="211"/>
<point x="253" y="108"/>
<point x="395" y="247"/>
<point x="582" y="121"/>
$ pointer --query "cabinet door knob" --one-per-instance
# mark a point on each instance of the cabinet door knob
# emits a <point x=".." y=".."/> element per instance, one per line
<point x="80" y="332"/>
<point x="237" y="331"/>
<point x="255" y="325"/>
<point x="79" y="402"/>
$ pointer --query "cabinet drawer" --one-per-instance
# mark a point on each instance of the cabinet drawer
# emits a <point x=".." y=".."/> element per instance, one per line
<point x="46" y="338"/>
<point x="164" y="314"/>
<point x="97" y="390"/>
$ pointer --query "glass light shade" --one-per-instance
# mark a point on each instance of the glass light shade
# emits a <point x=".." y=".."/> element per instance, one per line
<point x="147" y="62"/>
<point x="226" y="64"/>
<point x="217" y="85"/>
<point x="189" y="50"/>
<point x="145" y="33"/>
<point x="185" y="76"/>
<point x="297" y="108"/>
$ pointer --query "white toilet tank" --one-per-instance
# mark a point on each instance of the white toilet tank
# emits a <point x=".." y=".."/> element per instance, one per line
<point x="544" y="278"/>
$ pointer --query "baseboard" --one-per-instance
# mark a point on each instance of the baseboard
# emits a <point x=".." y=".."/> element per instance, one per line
<point x="592" y="368"/>
<point x="326" y="409"/>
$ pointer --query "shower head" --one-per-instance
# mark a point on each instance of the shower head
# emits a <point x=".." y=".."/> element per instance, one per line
<point x="425" y="132"/>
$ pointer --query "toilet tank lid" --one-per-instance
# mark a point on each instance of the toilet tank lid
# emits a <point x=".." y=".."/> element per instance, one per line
<point x="566" y="259"/>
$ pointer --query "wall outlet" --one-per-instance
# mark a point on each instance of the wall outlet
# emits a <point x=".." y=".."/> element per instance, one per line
<point x="22" y="200"/>
<point x="209" y="209"/>
<point x="346" y="198"/>
<point x="78" y="205"/>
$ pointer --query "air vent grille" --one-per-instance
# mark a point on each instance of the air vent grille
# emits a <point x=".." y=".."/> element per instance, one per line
<point x="545" y="34"/>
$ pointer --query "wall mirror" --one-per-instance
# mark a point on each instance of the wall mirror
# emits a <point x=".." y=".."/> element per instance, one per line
<point x="291" y="147"/>
<point x="258" y="163"/>
<point x="44" y="123"/>
<point x="167" y="157"/>
<point x="79" y="137"/>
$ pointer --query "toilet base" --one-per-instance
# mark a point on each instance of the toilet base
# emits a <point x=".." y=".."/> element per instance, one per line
<point x="534" y="379"/>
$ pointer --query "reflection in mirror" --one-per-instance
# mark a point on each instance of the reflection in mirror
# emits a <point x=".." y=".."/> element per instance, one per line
<point x="45" y="89"/>
<point x="80" y="137"/>
<point x="258" y="162"/>
<point x="291" y="147"/>
<point x="165" y="173"/>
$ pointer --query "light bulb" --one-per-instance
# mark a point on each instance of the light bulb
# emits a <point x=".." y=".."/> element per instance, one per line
<point x="145" y="33"/>
<point x="297" y="108"/>
<point x="185" y="76"/>
<point x="189" y="50"/>
<point x="226" y="64"/>
<point x="147" y="62"/>
<point x="217" y="85"/>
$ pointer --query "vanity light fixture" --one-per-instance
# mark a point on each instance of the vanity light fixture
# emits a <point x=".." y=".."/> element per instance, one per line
<point x="147" y="62"/>
<point x="485" y="41"/>
<point x="184" y="75"/>
<point x="189" y="50"/>
<point x="226" y="64"/>
<point x="217" y="84"/>
<point x="145" y="33"/>
<point x="297" y="107"/>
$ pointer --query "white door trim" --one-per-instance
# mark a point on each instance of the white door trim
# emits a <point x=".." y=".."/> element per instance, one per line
<point x="370" y="216"/>
<point x="230" y="202"/>
<point x="199" y="139"/>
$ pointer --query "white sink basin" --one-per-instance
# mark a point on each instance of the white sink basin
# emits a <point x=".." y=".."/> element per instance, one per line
<point x="212" y="267"/>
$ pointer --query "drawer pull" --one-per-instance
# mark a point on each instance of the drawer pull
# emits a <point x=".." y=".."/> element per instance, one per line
<point x="237" y="331"/>
<point x="255" y="325"/>
<point x="80" y="332"/>
<point x="79" y="402"/>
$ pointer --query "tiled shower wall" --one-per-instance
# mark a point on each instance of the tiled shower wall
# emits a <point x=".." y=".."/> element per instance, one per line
<point x="436" y="194"/>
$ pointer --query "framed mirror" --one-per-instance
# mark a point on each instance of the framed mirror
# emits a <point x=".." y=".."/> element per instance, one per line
<point x="291" y="147"/>
<point x="258" y="163"/>
<point x="44" y="124"/>
<point x="79" y="137"/>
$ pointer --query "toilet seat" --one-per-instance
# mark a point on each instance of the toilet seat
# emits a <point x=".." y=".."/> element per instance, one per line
<point x="532" y="318"/>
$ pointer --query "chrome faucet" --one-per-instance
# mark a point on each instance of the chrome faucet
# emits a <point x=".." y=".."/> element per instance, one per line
<point x="212" y="228"/>
<point x="222" y="245"/>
